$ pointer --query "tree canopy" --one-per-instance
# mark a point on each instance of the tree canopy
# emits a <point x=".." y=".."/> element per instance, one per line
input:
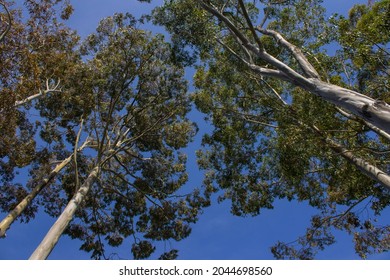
<point x="276" y="134"/>
<point x="115" y="125"/>
<point x="298" y="103"/>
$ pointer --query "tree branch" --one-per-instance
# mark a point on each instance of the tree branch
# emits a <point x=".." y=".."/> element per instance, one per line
<point x="9" y="23"/>
<point x="41" y="93"/>
<point x="364" y="122"/>
<point x="77" y="183"/>
<point x="249" y="22"/>
<point x="303" y="62"/>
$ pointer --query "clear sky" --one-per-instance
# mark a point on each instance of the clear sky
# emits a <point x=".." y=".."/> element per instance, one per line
<point x="218" y="234"/>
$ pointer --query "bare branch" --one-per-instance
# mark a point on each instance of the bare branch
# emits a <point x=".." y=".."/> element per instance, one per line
<point x="303" y="62"/>
<point x="249" y="22"/>
<point x="41" y="93"/>
<point x="8" y="23"/>
<point x="257" y="69"/>
<point x="294" y="77"/>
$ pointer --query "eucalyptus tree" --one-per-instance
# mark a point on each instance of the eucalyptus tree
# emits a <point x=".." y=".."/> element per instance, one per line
<point x="113" y="122"/>
<point x="136" y="127"/>
<point x="291" y="120"/>
<point x="36" y="53"/>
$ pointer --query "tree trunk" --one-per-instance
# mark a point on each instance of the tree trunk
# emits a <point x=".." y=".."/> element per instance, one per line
<point x="12" y="216"/>
<point x="365" y="167"/>
<point x="373" y="111"/>
<point x="55" y="232"/>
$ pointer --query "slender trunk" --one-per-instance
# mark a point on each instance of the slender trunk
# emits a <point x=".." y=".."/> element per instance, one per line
<point x="15" y="213"/>
<point x="364" y="166"/>
<point x="55" y="232"/>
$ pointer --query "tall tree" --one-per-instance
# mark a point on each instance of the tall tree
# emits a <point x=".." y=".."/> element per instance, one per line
<point x="136" y="129"/>
<point x="36" y="54"/>
<point x="290" y="120"/>
<point x="115" y="130"/>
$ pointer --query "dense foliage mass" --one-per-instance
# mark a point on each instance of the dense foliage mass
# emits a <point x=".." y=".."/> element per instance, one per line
<point x="275" y="135"/>
<point x="298" y="103"/>
<point x="104" y="154"/>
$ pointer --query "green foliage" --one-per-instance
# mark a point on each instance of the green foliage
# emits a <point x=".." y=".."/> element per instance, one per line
<point x="36" y="52"/>
<point x="364" y="38"/>
<point x="124" y="96"/>
<point x="271" y="140"/>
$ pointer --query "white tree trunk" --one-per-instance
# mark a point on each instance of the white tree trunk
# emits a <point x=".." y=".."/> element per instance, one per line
<point x="55" y="232"/>
<point x="15" y="213"/>
<point x="373" y="111"/>
<point x="11" y="217"/>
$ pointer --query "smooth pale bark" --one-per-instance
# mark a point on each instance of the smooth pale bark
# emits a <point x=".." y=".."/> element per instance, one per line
<point x="373" y="111"/>
<point x="15" y="213"/>
<point x="364" y="166"/>
<point x="39" y="94"/>
<point x="12" y="216"/>
<point x="370" y="170"/>
<point x="55" y="232"/>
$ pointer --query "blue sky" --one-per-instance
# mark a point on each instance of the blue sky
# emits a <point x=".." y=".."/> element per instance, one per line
<point x="218" y="234"/>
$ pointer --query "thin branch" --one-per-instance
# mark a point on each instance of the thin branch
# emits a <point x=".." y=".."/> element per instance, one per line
<point x="9" y="23"/>
<point x="249" y="22"/>
<point x="120" y="176"/>
<point x="266" y="72"/>
<point x="77" y="181"/>
<point x="266" y="15"/>
<point x="289" y="74"/>
<point x="303" y="62"/>
<point x="41" y="93"/>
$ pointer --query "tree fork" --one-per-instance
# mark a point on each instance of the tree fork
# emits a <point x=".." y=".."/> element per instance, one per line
<point x="375" y="112"/>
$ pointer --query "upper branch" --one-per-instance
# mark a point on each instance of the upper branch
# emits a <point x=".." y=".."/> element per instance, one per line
<point x="8" y="23"/>
<point x="261" y="53"/>
<point x="39" y="94"/>
<point x="304" y="63"/>
<point x="249" y="22"/>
